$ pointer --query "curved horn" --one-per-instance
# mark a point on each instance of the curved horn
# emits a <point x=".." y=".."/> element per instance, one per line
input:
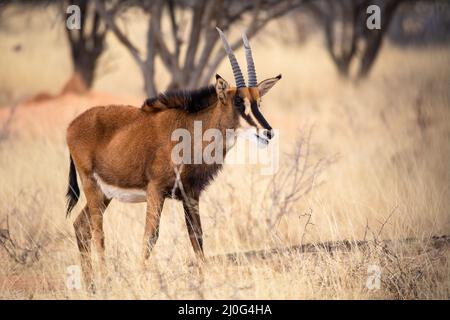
<point x="252" y="82"/>
<point x="238" y="77"/>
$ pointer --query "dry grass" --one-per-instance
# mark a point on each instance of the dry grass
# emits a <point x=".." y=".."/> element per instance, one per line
<point x="390" y="181"/>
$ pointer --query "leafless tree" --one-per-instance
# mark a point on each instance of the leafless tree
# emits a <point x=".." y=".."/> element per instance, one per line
<point x="86" y="45"/>
<point x="346" y="35"/>
<point x="195" y="65"/>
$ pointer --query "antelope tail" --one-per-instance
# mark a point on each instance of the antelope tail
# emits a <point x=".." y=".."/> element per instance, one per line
<point x="73" y="191"/>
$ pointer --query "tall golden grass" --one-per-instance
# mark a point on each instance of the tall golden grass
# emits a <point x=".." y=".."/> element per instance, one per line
<point x="388" y="138"/>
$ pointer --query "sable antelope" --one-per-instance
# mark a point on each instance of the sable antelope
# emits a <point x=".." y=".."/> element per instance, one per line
<point x="124" y="152"/>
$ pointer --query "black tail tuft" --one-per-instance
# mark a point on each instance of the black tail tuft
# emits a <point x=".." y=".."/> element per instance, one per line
<point x="73" y="192"/>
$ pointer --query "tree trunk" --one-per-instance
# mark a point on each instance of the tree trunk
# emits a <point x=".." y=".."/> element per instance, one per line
<point x="84" y="65"/>
<point x="85" y="49"/>
<point x="374" y="39"/>
<point x="350" y="16"/>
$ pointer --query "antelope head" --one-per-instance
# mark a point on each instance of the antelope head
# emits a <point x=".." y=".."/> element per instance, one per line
<point x="246" y="98"/>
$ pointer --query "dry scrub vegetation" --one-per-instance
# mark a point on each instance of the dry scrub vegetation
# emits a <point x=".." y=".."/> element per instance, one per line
<point x="376" y="154"/>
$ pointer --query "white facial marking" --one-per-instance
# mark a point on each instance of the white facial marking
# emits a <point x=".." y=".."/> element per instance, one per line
<point x="252" y="135"/>
<point x="121" y="194"/>
<point x="248" y="112"/>
<point x="247" y="106"/>
<point x="243" y="124"/>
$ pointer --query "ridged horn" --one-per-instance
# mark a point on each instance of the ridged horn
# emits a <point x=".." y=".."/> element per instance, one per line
<point x="238" y="77"/>
<point x="251" y="71"/>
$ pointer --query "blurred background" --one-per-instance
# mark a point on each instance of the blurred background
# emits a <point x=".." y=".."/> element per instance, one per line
<point x="364" y="119"/>
<point x="119" y="49"/>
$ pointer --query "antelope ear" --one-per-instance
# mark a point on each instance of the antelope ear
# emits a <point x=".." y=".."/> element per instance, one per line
<point x="265" y="85"/>
<point x="221" y="89"/>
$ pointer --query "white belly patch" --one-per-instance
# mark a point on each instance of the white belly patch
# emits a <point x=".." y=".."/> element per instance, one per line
<point x="121" y="194"/>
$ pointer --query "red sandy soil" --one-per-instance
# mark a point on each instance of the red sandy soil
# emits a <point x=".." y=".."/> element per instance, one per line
<point x="56" y="111"/>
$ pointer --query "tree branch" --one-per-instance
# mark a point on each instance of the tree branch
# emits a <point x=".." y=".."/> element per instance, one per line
<point x="108" y="18"/>
<point x="279" y="9"/>
<point x="196" y="25"/>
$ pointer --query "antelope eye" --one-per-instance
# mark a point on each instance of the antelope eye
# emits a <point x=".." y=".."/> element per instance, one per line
<point x="239" y="103"/>
<point x="238" y="100"/>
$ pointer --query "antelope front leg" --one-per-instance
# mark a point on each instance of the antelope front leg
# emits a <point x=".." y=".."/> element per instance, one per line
<point x="153" y="215"/>
<point x="194" y="226"/>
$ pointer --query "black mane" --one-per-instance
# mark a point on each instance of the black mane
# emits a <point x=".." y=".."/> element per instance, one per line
<point x="191" y="101"/>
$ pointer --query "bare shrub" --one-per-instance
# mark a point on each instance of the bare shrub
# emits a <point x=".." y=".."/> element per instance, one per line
<point x="298" y="176"/>
<point x="29" y="236"/>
